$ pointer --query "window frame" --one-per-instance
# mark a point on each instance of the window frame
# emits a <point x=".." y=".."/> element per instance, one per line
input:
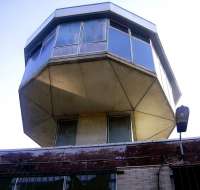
<point x="95" y="41"/>
<point x="109" y="44"/>
<point x="70" y="44"/>
<point x="58" y="128"/>
<point x="130" y="126"/>
<point x="133" y="39"/>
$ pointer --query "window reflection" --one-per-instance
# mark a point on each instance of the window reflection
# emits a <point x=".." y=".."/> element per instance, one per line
<point x="47" y="48"/>
<point x="94" y="31"/>
<point x="119" y="43"/>
<point x="91" y="36"/>
<point x="142" y="54"/>
<point x="68" y="34"/>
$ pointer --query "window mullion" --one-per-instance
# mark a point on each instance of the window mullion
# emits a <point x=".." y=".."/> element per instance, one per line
<point x="80" y="37"/>
<point x="131" y="45"/>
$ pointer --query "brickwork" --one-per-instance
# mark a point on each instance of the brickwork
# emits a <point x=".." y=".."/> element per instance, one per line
<point x="145" y="178"/>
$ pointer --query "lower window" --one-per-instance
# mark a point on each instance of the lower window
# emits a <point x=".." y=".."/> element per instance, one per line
<point x="66" y="133"/>
<point x="74" y="182"/>
<point x="119" y="129"/>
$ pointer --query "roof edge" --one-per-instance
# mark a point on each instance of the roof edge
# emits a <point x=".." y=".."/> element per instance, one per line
<point x="96" y="8"/>
<point x="165" y="64"/>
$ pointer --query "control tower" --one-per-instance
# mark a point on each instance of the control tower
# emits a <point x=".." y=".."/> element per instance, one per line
<point x="96" y="74"/>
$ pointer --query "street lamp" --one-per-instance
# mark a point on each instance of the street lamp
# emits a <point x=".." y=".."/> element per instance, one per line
<point x="182" y="115"/>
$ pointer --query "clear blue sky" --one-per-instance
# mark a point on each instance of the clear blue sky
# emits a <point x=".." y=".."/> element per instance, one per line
<point x="178" y="27"/>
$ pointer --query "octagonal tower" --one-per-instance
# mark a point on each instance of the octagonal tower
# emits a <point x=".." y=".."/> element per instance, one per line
<point x="96" y="74"/>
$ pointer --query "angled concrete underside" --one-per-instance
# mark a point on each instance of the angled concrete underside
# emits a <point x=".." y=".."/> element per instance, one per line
<point x="105" y="86"/>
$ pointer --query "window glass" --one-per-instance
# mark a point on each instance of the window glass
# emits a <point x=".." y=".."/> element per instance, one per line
<point x="142" y="54"/>
<point x="47" y="48"/>
<point x="5" y="183"/>
<point x="118" y="26"/>
<point x="97" y="182"/>
<point x="73" y="182"/>
<point x="119" y="129"/>
<point x="34" y="55"/>
<point x="139" y="33"/>
<point x="66" y="132"/>
<point x="33" y="66"/>
<point x="162" y="77"/>
<point x="119" y="43"/>
<point x="94" y="31"/>
<point x="68" y="34"/>
<point x="38" y="183"/>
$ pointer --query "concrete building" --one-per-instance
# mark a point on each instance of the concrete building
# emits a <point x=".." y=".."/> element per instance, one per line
<point x="96" y="81"/>
<point x="101" y="70"/>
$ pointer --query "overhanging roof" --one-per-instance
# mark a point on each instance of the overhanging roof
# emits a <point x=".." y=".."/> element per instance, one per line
<point x="99" y="9"/>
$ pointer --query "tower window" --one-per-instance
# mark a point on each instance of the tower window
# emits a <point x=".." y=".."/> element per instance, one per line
<point x="94" y="31"/>
<point x="119" y="129"/>
<point x="118" y="26"/>
<point x="68" y="34"/>
<point x="66" y="134"/>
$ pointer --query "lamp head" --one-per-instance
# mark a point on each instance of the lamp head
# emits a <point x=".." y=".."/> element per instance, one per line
<point x="182" y="115"/>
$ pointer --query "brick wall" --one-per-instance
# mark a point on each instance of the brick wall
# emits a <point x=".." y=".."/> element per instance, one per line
<point x="145" y="178"/>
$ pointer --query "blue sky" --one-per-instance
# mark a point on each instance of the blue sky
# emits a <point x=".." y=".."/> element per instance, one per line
<point x="178" y="27"/>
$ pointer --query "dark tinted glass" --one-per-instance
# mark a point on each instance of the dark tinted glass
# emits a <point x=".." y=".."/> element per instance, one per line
<point x="118" y="26"/>
<point x="94" y="31"/>
<point x="142" y="54"/>
<point x="92" y="182"/>
<point x="5" y="184"/>
<point x="68" y="34"/>
<point x="119" y="129"/>
<point x="119" y="43"/>
<point x="66" y="132"/>
<point x="139" y="33"/>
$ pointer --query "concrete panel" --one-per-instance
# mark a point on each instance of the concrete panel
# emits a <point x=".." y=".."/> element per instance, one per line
<point x="68" y="77"/>
<point x="155" y="103"/>
<point x="85" y="88"/>
<point x="38" y="124"/>
<point x="45" y="133"/>
<point x="103" y="87"/>
<point x="92" y="129"/>
<point x="68" y="91"/>
<point x="134" y="82"/>
<point x="38" y="91"/>
<point x="149" y="127"/>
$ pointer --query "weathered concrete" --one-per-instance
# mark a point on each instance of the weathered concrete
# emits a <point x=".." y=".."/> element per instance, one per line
<point x="92" y="129"/>
<point x="139" y="178"/>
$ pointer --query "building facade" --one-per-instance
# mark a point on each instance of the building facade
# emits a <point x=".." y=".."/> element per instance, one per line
<point x="100" y="70"/>
<point x="97" y="89"/>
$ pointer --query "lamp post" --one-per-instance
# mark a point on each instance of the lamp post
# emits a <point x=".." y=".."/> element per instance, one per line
<point x="182" y="116"/>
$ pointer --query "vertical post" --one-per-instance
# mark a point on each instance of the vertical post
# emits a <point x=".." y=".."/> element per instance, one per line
<point x="181" y="147"/>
